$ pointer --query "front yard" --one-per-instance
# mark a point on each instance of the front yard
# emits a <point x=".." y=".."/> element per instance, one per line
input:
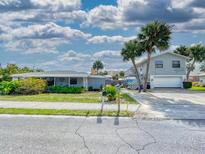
<point x="87" y="97"/>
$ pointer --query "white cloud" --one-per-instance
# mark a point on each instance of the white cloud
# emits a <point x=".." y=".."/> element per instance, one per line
<point x="73" y="60"/>
<point x="49" y="30"/>
<point x="53" y="5"/>
<point x="33" y="46"/>
<point x="109" y="39"/>
<point x="107" y="54"/>
<point x="72" y="56"/>
<point x="103" y="16"/>
<point x="56" y="5"/>
<point x="39" y="38"/>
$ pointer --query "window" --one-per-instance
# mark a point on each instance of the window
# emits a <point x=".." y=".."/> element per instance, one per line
<point x="175" y="64"/>
<point x="159" y="64"/>
<point x="73" y="80"/>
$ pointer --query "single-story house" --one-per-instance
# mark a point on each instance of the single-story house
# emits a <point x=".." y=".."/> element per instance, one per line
<point x="67" y="78"/>
<point x="167" y="69"/>
<point x="202" y="78"/>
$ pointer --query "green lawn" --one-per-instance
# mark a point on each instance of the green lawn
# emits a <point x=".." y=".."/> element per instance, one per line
<point x="63" y="112"/>
<point x="198" y="88"/>
<point x="127" y="98"/>
<point x="87" y="97"/>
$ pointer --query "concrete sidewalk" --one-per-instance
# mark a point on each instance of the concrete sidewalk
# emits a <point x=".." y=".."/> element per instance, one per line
<point x="66" y="105"/>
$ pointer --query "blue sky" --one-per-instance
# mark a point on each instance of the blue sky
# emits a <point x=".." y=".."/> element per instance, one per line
<point x="72" y="34"/>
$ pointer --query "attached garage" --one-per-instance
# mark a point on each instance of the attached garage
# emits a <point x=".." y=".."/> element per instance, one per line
<point x="167" y="81"/>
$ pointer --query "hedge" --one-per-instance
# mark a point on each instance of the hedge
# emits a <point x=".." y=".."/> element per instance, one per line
<point x="60" y="89"/>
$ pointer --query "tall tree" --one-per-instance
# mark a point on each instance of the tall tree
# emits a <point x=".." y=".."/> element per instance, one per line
<point x="153" y="36"/>
<point x="98" y="65"/>
<point x="196" y="53"/>
<point x="130" y="52"/>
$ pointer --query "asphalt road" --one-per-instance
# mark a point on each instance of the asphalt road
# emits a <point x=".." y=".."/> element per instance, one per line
<point x="42" y="135"/>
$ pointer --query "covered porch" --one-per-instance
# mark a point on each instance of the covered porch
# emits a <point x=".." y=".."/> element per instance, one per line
<point x="68" y="81"/>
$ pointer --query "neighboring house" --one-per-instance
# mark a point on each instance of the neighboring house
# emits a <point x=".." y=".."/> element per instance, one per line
<point x="167" y="69"/>
<point x="202" y="78"/>
<point x="67" y="78"/>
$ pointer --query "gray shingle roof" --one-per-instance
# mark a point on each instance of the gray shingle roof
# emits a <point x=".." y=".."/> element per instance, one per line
<point x="58" y="74"/>
<point x="53" y="74"/>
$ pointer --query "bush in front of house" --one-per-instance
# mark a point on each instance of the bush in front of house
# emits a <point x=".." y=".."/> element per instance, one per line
<point x="111" y="92"/>
<point x="31" y="86"/>
<point x="8" y="87"/>
<point x="198" y="84"/>
<point x="187" y="85"/>
<point x="61" y="89"/>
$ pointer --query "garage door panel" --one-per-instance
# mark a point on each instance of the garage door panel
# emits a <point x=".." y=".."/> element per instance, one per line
<point x="167" y="81"/>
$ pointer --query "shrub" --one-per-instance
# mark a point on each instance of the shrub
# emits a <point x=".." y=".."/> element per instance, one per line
<point x="111" y="92"/>
<point x="187" y="85"/>
<point x="31" y="86"/>
<point x="197" y="84"/>
<point x="90" y="88"/>
<point x="8" y="87"/>
<point x="60" y="89"/>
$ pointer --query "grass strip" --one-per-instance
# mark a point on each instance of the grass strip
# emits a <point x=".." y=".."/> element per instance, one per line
<point x="63" y="112"/>
<point x="129" y="99"/>
<point x="197" y="88"/>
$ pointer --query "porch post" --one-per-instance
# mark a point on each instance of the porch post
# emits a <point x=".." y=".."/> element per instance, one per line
<point x="68" y="81"/>
<point x="85" y="83"/>
<point x="54" y="81"/>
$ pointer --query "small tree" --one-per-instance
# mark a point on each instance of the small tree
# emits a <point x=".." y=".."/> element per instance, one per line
<point x="122" y="74"/>
<point x="155" y="35"/>
<point x="130" y="52"/>
<point x="196" y="53"/>
<point x="98" y="65"/>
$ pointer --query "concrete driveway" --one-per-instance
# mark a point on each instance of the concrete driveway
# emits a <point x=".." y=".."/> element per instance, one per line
<point x="180" y="96"/>
<point x="171" y="104"/>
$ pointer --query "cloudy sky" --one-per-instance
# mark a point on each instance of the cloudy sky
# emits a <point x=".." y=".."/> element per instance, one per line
<point x="71" y="34"/>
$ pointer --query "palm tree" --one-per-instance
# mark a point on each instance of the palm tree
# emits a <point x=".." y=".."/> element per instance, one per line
<point x="182" y="50"/>
<point x="155" y="35"/>
<point x="196" y="53"/>
<point x="130" y="51"/>
<point x="98" y="65"/>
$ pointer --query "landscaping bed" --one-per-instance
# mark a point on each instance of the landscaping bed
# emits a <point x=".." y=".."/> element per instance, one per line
<point x="63" y="112"/>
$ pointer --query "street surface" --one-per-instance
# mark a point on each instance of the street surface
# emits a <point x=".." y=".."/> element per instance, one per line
<point x="97" y="135"/>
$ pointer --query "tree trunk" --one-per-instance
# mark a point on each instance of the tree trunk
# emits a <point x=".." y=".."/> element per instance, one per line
<point x="137" y="75"/>
<point x="190" y="69"/>
<point x="147" y="71"/>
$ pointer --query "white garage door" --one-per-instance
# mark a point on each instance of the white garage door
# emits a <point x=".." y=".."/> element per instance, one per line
<point x="167" y="82"/>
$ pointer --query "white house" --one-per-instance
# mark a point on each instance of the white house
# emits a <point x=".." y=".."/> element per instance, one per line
<point x="67" y="78"/>
<point x="167" y="69"/>
<point x="202" y="78"/>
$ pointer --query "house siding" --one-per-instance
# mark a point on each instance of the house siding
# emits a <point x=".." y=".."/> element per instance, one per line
<point x="167" y="66"/>
<point x="202" y="79"/>
<point x="96" y="83"/>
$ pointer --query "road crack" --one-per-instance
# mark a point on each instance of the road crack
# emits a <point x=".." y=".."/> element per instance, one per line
<point x="137" y="150"/>
<point x="85" y="146"/>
